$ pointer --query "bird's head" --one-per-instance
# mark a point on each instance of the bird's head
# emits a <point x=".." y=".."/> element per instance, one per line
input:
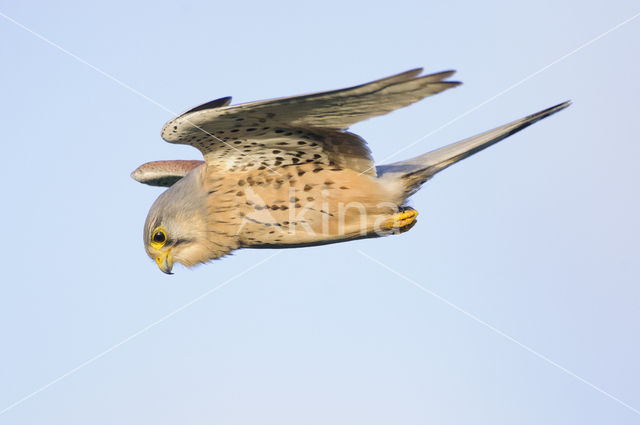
<point x="176" y="230"/>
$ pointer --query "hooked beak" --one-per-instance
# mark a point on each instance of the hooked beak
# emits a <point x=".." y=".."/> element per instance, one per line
<point x="165" y="262"/>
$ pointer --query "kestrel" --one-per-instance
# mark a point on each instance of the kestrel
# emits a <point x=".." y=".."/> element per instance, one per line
<point x="285" y="172"/>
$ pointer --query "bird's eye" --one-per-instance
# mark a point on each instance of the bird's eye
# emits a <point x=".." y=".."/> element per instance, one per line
<point x="159" y="237"/>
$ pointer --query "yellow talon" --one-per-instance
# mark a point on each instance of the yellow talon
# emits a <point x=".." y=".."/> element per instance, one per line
<point x="401" y="220"/>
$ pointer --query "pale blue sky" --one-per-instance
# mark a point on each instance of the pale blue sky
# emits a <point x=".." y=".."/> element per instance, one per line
<point x="537" y="236"/>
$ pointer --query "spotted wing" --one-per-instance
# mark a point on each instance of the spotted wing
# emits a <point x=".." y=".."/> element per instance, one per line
<point x="291" y="130"/>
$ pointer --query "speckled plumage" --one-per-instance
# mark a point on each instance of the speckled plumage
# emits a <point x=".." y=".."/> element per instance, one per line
<point x="285" y="173"/>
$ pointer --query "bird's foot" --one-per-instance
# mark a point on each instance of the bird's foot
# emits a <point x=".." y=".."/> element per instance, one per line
<point x="401" y="221"/>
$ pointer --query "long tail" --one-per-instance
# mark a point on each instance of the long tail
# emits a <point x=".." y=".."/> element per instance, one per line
<point x="412" y="173"/>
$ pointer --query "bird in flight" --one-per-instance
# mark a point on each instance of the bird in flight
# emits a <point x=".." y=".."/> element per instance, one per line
<point x="285" y="172"/>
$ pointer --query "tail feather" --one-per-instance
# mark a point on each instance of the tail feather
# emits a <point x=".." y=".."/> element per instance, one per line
<point x="414" y="172"/>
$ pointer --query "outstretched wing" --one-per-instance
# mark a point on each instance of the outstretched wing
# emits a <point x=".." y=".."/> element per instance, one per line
<point x="163" y="173"/>
<point x="299" y="129"/>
